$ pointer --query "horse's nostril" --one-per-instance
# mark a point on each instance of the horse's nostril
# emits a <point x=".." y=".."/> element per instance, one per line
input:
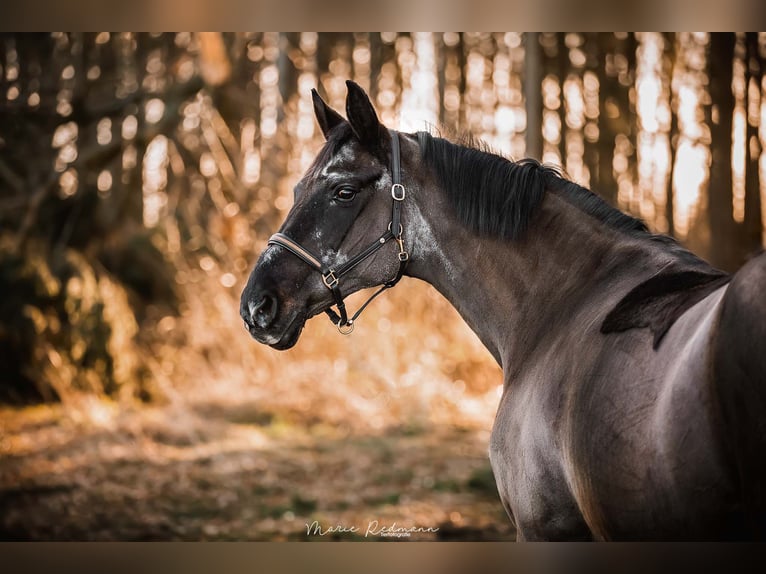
<point x="263" y="311"/>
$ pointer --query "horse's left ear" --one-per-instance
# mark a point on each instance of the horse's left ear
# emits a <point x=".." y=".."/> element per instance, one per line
<point x="362" y="117"/>
<point x="327" y="117"/>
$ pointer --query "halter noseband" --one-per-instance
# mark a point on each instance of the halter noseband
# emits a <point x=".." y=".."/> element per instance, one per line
<point x="331" y="275"/>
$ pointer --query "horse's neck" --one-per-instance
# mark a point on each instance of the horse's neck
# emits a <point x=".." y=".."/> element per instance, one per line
<point x="512" y="293"/>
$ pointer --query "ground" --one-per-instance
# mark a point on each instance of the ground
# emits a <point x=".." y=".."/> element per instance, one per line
<point x="219" y="470"/>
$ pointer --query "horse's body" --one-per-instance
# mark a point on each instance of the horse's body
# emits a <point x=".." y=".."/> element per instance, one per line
<point x="634" y="398"/>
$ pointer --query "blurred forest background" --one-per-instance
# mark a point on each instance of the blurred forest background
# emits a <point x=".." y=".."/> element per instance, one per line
<point x="140" y="176"/>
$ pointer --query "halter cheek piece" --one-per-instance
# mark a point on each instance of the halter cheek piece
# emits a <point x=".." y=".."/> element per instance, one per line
<point x="331" y="275"/>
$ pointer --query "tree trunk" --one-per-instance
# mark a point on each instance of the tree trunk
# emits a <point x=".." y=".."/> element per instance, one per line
<point x="376" y="63"/>
<point x="590" y="144"/>
<point x="562" y="70"/>
<point x="608" y="124"/>
<point x="753" y="219"/>
<point x="722" y="228"/>
<point x="533" y="95"/>
<point x="288" y="75"/>
<point x="668" y="63"/>
<point x="460" y="55"/>
<point x="628" y="104"/>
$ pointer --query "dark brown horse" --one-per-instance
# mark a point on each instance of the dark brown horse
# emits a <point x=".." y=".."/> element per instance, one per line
<point x="634" y="397"/>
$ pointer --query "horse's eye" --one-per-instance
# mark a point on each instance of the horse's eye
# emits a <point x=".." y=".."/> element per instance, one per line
<point x="344" y="194"/>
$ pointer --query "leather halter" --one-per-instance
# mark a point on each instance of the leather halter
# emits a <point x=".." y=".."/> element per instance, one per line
<point x="332" y="274"/>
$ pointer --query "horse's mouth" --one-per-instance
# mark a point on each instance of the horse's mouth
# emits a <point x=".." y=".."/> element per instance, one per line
<point x="289" y="339"/>
<point x="286" y="340"/>
<point x="293" y="331"/>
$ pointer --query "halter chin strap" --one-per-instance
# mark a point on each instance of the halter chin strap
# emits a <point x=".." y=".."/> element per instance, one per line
<point x="331" y="275"/>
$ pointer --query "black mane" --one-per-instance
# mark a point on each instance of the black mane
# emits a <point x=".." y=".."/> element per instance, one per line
<point x="497" y="197"/>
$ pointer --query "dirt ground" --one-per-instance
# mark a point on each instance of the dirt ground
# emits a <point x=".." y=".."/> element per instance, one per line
<point x="218" y="470"/>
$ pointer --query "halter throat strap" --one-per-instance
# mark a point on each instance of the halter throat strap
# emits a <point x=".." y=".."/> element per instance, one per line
<point x="332" y="274"/>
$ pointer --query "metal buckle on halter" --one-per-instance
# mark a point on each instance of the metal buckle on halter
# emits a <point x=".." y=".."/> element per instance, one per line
<point x="393" y="192"/>
<point x="329" y="279"/>
<point x="403" y="255"/>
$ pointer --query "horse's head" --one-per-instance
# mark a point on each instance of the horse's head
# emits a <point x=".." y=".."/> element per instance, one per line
<point x="342" y="233"/>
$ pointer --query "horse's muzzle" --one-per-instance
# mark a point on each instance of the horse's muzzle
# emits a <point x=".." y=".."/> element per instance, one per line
<point x="258" y="312"/>
<point x="268" y="321"/>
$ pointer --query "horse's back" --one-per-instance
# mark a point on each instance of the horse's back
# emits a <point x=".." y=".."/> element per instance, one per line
<point x="739" y="366"/>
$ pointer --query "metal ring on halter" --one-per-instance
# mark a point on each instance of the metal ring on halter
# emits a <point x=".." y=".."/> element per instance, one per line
<point x="401" y="229"/>
<point x="393" y="192"/>
<point x="348" y="326"/>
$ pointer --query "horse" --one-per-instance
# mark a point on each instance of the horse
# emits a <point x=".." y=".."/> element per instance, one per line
<point x="633" y="404"/>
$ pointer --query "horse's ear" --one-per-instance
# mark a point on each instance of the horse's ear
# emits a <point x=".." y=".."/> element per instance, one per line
<point x="327" y="117"/>
<point x="361" y="115"/>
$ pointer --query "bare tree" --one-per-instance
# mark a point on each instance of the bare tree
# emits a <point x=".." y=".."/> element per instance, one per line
<point x="719" y="114"/>
<point x="533" y="94"/>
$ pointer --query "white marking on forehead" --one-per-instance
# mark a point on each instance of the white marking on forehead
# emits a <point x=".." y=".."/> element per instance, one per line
<point x="343" y="156"/>
<point x="335" y="177"/>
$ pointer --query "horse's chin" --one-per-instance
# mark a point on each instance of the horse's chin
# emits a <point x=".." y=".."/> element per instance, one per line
<point x="293" y="331"/>
<point x="287" y="339"/>
<point x="291" y="334"/>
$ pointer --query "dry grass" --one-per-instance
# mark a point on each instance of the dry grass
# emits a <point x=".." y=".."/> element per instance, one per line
<point x="410" y="362"/>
